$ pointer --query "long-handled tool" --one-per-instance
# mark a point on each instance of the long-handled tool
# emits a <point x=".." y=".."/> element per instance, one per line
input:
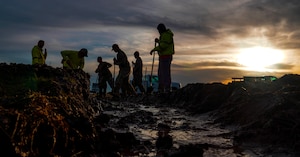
<point x="114" y="79"/>
<point x="150" y="89"/>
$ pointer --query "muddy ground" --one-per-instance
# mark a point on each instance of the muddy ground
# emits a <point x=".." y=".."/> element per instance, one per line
<point x="49" y="111"/>
<point x="193" y="135"/>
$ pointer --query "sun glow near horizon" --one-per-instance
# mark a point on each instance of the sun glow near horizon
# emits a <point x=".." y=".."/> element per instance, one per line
<point x="259" y="58"/>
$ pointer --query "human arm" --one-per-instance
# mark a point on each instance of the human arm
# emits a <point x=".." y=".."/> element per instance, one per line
<point x="165" y="44"/>
<point x="45" y="54"/>
<point x="108" y="65"/>
<point x="81" y="64"/>
<point x="98" y="69"/>
<point x="155" y="47"/>
<point x="121" y="59"/>
<point x="38" y="57"/>
<point x="66" y="58"/>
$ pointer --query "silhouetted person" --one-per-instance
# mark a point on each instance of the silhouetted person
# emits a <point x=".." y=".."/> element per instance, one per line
<point x="73" y="59"/>
<point x="122" y="80"/>
<point x="138" y="72"/>
<point x="38" y="57"/>
<point x="165" y="49"/>
<point x="104" y="75"/>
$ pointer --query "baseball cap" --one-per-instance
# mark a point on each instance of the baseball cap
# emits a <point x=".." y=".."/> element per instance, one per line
<point x="114" y="46"/>
<point x="84" y="51"/>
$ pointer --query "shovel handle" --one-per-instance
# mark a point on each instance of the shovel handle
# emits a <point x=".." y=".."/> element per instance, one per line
<point x="152" y="65"/>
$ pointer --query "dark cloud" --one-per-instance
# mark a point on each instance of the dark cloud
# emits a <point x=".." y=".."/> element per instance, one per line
<point x="206" y="64"/>
<point x="202" y="28"/>
<point x="288" y="40"/>
<point x="276" y="17"/>
<point x="281" y="66"/>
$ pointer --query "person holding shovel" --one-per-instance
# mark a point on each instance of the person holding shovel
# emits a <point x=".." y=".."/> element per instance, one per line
<point x="122" y="80"/>
<point x="138" y="72"/>
<point x="104" y="75"/>
<point x="165" y="50"/>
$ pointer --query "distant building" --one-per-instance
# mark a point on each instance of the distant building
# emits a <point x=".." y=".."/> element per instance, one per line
<point x="254" y="79"/>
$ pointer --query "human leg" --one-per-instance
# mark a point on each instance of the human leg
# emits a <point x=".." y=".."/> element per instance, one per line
<point x="138" y="82"/>
<point x="118" y="84"/>
<point x="164" y="74"/>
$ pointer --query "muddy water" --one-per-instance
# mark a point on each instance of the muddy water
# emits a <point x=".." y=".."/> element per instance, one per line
<point x="185" y="128"/>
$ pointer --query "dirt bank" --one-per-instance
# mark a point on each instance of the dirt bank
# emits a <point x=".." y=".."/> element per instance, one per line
<point x="267" y="113"/>
<point x="45" y="111"/>
<point x="50" y="111"/>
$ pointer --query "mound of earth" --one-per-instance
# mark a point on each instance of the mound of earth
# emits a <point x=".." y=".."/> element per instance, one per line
<point x="266" y="112"/>
<point x="45" y="111"/>
<point x="48" y="111"/>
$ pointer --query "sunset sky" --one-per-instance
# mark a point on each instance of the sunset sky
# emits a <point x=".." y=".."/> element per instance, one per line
<point x="215" y="40"/>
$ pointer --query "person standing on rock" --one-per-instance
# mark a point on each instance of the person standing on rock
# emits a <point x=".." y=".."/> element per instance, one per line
<point x="122" y="80"/>
<point x="38" y="57"/>
<point x="165" y="49"/>
<point x="138" y="72"/>
<point x="73" y="59"/>
<point x="104" y="75"/>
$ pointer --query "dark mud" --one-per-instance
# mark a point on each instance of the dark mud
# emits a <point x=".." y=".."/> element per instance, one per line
<point x="49" y="111"/>
<point x="186" y="130"/>
<point x="190" y="132"/>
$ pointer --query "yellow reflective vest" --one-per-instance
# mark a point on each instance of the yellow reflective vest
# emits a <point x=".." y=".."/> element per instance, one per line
<point x="166" y="44"/>
<point x="71" y="60"/>
<point x="38" y="57"/>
